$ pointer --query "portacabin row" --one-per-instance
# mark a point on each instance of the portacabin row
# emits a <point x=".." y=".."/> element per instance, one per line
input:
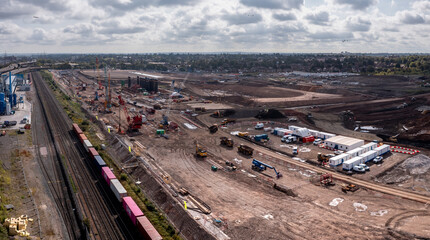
<point x="133" y="211"/>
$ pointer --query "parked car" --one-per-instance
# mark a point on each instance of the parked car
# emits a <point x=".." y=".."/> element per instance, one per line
<point x="338" y="152"/>
<point x="367" y="168"/>
<point x="317" y="141"/>
<point x="359" y="169"/>
<point x="378" y="159"/>
<point x="295" y="151"/>
<point x="259" y="126"/>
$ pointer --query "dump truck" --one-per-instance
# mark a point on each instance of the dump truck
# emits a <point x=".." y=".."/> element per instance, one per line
<point x="245" y="150"/>
<point x="227" y="141"/>
<point x="213" y="128"/>
<point x="200" y="151"/>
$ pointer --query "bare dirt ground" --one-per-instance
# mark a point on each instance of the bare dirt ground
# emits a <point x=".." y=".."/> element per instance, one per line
<point x="245" y="202"/>
<point x="249" y="207"/>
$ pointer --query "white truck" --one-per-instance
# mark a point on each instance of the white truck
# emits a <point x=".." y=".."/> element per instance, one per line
<point x="289" y="139"/>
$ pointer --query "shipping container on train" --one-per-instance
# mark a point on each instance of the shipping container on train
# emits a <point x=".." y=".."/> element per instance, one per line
<point x="131" y="208"/>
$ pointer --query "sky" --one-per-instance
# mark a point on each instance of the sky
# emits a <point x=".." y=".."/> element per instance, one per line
<point x="151" y="26"/>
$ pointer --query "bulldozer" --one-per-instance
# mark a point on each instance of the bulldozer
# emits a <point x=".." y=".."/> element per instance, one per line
<point x="200" y="151"/>
<point x="227" y="142"/>
<point x="349" y="187"/>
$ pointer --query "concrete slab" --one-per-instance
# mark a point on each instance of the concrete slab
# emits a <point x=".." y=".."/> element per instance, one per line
<point x="21" y="110"/>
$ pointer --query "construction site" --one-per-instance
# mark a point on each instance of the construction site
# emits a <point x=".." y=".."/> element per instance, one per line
<point x="257" y="162"/>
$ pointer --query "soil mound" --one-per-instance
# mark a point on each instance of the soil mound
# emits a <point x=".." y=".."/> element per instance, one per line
<point x="269" y="114"/>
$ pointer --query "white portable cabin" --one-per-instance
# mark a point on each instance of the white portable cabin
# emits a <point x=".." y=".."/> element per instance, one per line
<point x="367" y="156"/>
<point x="343" y="143"/>
<point x="87" y="145"/>
<point x="292" y="128"/>
<point x="313" y="133"/>
<point x="301" y="132"/>
<point x="283" y="132"/>
<point x="356" y="152"/>
<point x="370" y="146"/>
<point x="339" y="159"/>
<point x="382" y="149"/>
<point x="348" y="165"/>
<point x="324" y="135"/>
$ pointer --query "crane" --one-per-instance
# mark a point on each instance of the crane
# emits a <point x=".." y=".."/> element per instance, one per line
<point x="108" y="105"/>
<point x="134" y="123"/>
<point x="260" y="166"/>
<point x="98" y="74"/>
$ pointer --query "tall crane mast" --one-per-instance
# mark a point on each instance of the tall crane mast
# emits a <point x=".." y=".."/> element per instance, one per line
<point x="98" y="74"/>
<point x="108" y="104"/>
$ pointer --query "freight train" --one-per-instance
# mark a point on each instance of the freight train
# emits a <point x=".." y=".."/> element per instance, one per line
<point x="133" y="211"/>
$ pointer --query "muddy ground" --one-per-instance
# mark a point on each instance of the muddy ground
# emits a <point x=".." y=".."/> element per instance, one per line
<point x="244" y="201"/>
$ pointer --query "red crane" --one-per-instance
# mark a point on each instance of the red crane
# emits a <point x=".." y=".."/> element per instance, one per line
<point x="134" y="123"/>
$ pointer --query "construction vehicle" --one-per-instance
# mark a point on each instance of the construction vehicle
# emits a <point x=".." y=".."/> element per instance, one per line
<point x="227" y="141"/>
<point x="349" y="187"/>
<point x="245" y="150"/>
<point x="213" y="128"/>
<point x="243" y="134"/>
<point x="150" y="110"/>
<point x="326" y="179"/>
<point x="260" y="166"/>
<point x="134" y="122"/>
<point x="323" y="158"/>
<point x="261" y="138"/>
<point x="216" y="114"/>
<point x="227" y="121"/>
<point x="200" y="151"/>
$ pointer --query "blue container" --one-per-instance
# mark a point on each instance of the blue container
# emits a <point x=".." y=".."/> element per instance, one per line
<point x="14" y="99"/>
<point x="99" y="161"/>
<point x="2" y="107"/>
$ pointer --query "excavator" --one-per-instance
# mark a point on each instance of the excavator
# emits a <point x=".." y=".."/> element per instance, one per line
<point x="134" y="122"/>
<point x="260" y="166"/>
<point x="323" y="158"/>
<point x="200" y="151"/>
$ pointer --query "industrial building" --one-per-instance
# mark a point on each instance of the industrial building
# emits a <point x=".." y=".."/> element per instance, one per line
<point x="343" y="143"/>
<point x="8" y="88"/>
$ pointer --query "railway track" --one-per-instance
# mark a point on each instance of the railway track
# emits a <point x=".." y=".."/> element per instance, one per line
<point x="55" y="175"/>
<point x="363" y="183"/>
<point x="97" y="205"/>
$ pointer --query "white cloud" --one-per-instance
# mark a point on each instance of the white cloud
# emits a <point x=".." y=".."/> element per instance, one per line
<point x="206" y="25"/>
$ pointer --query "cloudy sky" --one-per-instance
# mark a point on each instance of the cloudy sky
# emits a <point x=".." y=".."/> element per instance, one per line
<point x="141" y="26"/>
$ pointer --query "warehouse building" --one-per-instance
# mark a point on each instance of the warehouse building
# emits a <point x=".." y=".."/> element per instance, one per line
<point x="343" y="143"/>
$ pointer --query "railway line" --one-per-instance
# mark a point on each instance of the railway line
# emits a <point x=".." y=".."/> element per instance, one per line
<point x="56" y="177"/>
<point x="106" y="219"/>
<point x="363" y="183"/>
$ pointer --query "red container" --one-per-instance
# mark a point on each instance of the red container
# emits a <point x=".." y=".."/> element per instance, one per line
<point x="93" y="152"/>
<point x="77" y="129"/>
<point x="82" y="137"/>
<point x="131" y="208"/>
<point x="308" y="139"/>
<point x="146" y="229"/>
<point x="107" y="175"/>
